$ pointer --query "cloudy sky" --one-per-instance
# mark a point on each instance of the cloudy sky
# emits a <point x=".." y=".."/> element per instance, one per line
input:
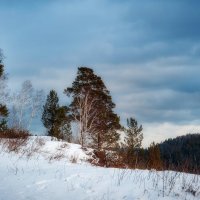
<point x="147" y="52"/>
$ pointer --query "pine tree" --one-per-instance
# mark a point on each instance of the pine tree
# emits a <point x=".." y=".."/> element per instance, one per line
<point x="49" y="113"/>
<point x="55" y="117"/>
<point x="134" y="134"/>
<point x="92" y="109"/>
<point x="133" y="140"/>
<point x="111" y="139"/>
<point x="3" y="108"/>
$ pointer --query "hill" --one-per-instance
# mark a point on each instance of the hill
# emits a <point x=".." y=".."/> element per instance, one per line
<point x="44" y="168"/>
<point x="182" y="153"/>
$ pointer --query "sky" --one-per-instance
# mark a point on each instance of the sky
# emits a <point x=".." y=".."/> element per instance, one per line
<point x="147" y="52"/>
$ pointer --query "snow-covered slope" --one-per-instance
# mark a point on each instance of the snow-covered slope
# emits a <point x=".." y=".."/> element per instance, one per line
<point x="43" y="170"/>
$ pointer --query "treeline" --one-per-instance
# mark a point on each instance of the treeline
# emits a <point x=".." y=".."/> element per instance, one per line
<point x="181" y="153"/>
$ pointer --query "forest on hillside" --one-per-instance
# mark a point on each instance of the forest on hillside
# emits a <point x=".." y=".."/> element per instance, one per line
<point x="182" y="153"/>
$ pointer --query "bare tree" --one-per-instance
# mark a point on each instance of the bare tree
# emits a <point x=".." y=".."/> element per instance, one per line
<point x="26" y="105"/>
<point x="36" y="105"/>
<point x="87" y="119"/>
<point x="85" y="116"/>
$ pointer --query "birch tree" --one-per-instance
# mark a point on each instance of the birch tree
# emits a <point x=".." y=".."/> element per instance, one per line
<point x="26" y="105"/>
<point x="85" y="116"/>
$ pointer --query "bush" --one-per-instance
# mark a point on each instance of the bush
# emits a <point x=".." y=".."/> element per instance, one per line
<point x="14" y="134"/>
<point x="106" y="158"/>
<point x="12" y="139"/>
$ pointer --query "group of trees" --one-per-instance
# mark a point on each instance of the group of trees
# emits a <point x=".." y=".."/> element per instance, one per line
<point x="25" y="105"/>
<point x="55" y="118"/>
<point x="181" y="153"/>
<point x="91" y="110"/>
<point x="17" y="110"/>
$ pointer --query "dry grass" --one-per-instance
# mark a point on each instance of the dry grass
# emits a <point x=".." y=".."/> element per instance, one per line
<point x="73" y="159"/>
<point x="13" y="139"/>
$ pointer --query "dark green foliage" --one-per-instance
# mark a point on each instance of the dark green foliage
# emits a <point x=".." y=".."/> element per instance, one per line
<point x="134" y="135"/>
<point x="54" y="117"/>
<point x="3" y="108"/>
<point x="49" y="116"/>
<point x="133" y="140"/>
<point x="182" y="153"/>
<point x="1" y="69"/>
<point x="179" y="154"/>
<point x="63" y="122"/>
<point x="110" y="140"/>
<point x="3" y="111"/>
<point x="66" y="130"/>
<point x="3" y="124"/>
<point x="92" y="107"/>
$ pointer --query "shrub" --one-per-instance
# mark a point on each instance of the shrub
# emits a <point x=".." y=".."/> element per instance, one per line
<point x="14" y="134"/>
<point x="14" y="138"/>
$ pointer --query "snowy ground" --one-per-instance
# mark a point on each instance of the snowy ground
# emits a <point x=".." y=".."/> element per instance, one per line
<point x="43" y="170"/>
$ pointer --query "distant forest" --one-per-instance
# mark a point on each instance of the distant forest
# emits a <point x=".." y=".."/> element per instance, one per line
<point x="182" y="153"/>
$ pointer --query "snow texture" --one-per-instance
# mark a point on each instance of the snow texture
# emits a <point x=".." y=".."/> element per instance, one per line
<point x="46" y="169"/>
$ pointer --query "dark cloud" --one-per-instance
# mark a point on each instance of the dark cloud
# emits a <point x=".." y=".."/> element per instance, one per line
<point x="148" y="52"/>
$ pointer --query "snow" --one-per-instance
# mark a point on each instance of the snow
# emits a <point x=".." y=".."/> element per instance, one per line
<point x="48" y="173"/>
<point x="122" y="137"/>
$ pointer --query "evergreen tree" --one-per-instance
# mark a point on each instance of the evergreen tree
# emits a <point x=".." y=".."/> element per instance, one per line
<point x="3" y="108"/>
<point x="134" y="135"/>
<point x="64" y="124"/>
<point x="3" y="116"/>
<point x="133" y="140"/>
<point x="92" y="109"/>
<point x="49" y="113"/>
<point x="155" y="161"/>
<point x="111" y="140"/>
<point x="66" y="131"/>
<point x="54" y="117"/>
